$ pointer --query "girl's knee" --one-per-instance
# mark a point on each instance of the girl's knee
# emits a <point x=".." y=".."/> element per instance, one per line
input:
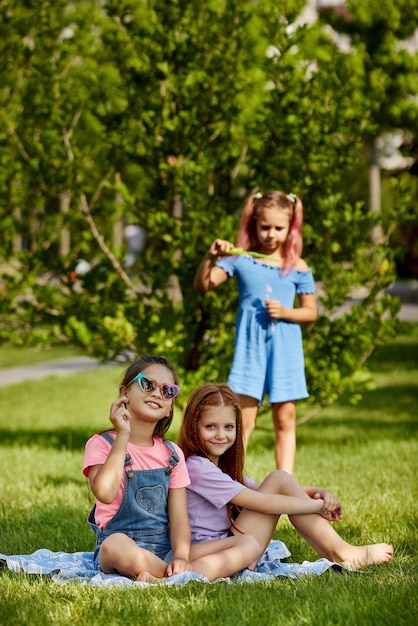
<point x="279" y="481"/>
<point x="106" y="548"/>
<point x="111" y="547"/>
<point x="280" y="476"/>
<point x="284" y="415"/>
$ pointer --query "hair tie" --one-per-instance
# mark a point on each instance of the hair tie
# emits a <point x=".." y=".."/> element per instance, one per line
<point x="291" y="197"/>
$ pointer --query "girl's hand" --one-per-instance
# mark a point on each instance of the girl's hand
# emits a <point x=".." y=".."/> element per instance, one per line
<point x="178" y="565"/>
<point x="120" y="416"/>
<point x="332" y="509"/>
<point x="220" y="247"/>
<point x="274" y="308"/>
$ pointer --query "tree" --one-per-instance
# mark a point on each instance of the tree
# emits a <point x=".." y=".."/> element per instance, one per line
<point x="166" y="115"/>
<point x="380" y="35"/>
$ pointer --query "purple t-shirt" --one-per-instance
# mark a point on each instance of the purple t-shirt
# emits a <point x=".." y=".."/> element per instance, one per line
<point x="208" y="495"/>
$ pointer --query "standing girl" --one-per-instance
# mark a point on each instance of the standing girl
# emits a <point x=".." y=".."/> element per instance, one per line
<point x="138" y="479"/>
<point x="268" y="355"/>
<point x="222" y="502"/>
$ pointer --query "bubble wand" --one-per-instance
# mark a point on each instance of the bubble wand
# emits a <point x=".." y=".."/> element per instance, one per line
<point x="256" y="255"/>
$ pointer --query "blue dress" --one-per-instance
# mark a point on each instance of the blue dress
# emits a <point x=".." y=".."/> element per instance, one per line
<point x="268" y="355"/>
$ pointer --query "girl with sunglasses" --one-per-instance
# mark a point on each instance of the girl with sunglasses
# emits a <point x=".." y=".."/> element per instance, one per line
<point x="270" y="274"/>
<point x="139" y="478"/>
<point x="222" y="502"/>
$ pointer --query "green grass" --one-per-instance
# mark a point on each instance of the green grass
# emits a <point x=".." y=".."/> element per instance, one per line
<point x="367" y="454"/>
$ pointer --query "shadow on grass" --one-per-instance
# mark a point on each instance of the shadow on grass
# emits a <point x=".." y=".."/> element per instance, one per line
<point x="59" y="439"/>
<point x="372" y="421"/>
<point x="390" y="398"/>
<point x="402" y="353"/>
<point x="53" y="528"/>
<point x="394" y="356"/>
<point x="382" y="411"/>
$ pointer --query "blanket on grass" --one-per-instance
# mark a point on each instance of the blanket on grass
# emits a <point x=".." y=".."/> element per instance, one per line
<point x="64" y="567"/>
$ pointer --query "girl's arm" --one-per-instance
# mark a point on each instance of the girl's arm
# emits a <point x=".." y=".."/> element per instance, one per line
<point x="332" y="508"/>
<point x="105" y="479"/>
<point x="307" y="312"/>
<point x="208" y="275"/>
<point x="332" y="505"/>
<point x="276" y="504"/>
<point x="180" y="534"/>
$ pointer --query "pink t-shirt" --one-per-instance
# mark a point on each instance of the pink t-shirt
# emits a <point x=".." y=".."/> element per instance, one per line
<point x="208" y="495"/>
<point x="97" y="450"/>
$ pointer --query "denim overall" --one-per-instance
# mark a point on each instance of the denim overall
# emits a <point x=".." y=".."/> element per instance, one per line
<point x="142" y="514"/>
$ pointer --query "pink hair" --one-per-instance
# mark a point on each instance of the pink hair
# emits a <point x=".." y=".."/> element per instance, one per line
<point x="247" y="236"/>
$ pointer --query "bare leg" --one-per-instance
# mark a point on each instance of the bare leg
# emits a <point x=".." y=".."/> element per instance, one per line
<point x="284" y="421"/>
<point x="314" y="528"/>
<point x="249" y="408"/>
<point x="319" y="533"/>
<point x="119" y="554"/>
<point x="224" y="557"/>
<point x="214" y="559"/>
<point x="263" y="525"/>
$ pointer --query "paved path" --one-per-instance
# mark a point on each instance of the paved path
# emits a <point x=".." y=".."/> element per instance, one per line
<point x="407" y="313"/>
<point x="61" y="367"/>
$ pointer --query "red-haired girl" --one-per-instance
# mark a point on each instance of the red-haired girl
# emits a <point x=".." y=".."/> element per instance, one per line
<point x="222" y="503"/>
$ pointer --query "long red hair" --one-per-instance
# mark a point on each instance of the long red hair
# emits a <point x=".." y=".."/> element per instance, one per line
<point x="247" y="236"/>
<point x="213" y="395"/>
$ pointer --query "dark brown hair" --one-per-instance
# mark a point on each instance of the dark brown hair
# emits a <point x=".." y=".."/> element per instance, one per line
<point x="138" y="366"/>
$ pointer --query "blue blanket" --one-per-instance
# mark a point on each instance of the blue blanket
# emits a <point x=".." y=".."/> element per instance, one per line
<point x="64" y="567"/>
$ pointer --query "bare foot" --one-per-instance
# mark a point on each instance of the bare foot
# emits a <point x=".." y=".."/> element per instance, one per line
<point x="146" y="577"/>
<point x="365" y="556"/>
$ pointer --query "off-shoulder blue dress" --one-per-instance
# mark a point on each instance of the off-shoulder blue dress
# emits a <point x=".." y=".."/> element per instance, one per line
<point x="268" y="355"/>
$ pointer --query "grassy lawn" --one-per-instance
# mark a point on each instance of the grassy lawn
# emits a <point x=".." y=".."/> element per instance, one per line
<point x="367" y="454"/>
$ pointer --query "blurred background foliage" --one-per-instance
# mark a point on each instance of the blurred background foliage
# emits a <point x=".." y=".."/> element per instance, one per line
<point x="164" y="116"/>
